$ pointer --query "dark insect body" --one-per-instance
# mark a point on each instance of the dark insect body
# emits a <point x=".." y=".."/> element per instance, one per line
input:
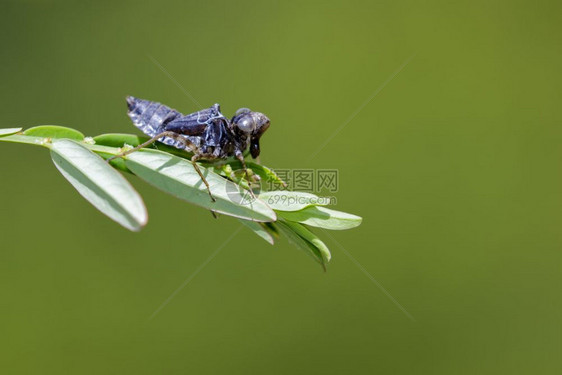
<point x="208" y="134"/>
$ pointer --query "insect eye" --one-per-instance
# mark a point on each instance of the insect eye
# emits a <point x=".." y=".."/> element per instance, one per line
<point x="241" y="111"/>
<point x="246" y="124"/>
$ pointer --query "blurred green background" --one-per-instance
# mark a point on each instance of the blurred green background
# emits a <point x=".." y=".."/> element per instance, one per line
<point x="454" y="166"/>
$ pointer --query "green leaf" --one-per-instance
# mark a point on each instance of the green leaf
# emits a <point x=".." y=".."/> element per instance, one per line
<point x="283" y="200"/>
<point x="119" y="140"/>
<point x="54" y="131"/>
<point x="310" y="237"/>
<point x="178" y="177"/>
<point x="300" y="242"/>
<point x="258" y="229"/>
<point x="322" y="217"/>
<point x="272" y="229"/>
<point x="18" y="138"/>
<point x="98" y="183"/>
<point x="8" y="131"/>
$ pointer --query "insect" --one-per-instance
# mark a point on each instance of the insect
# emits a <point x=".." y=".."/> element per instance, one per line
<point x="208" y="134"/>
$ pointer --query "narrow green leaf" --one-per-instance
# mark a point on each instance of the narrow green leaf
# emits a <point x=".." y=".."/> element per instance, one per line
<point x="178" y="177"/>
<point x="98" y="183"/>
<point x="283" y="200"/>
<point x="272" y="229"/>
<point x="310" y="237"/>
<point x="301" y="243"/>
<point x="54" y="131"/>
<point x="258" y="229"/>
<point x="18" y="138"/>
<point x="8" y="131"/>
<point x="322" y="217"/>
<point x="119" y="140"/>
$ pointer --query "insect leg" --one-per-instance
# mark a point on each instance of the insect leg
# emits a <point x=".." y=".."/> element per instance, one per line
<point x="148" y="143"/>
<point x="194" y="159"/>
<point x="240" y="156"/>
